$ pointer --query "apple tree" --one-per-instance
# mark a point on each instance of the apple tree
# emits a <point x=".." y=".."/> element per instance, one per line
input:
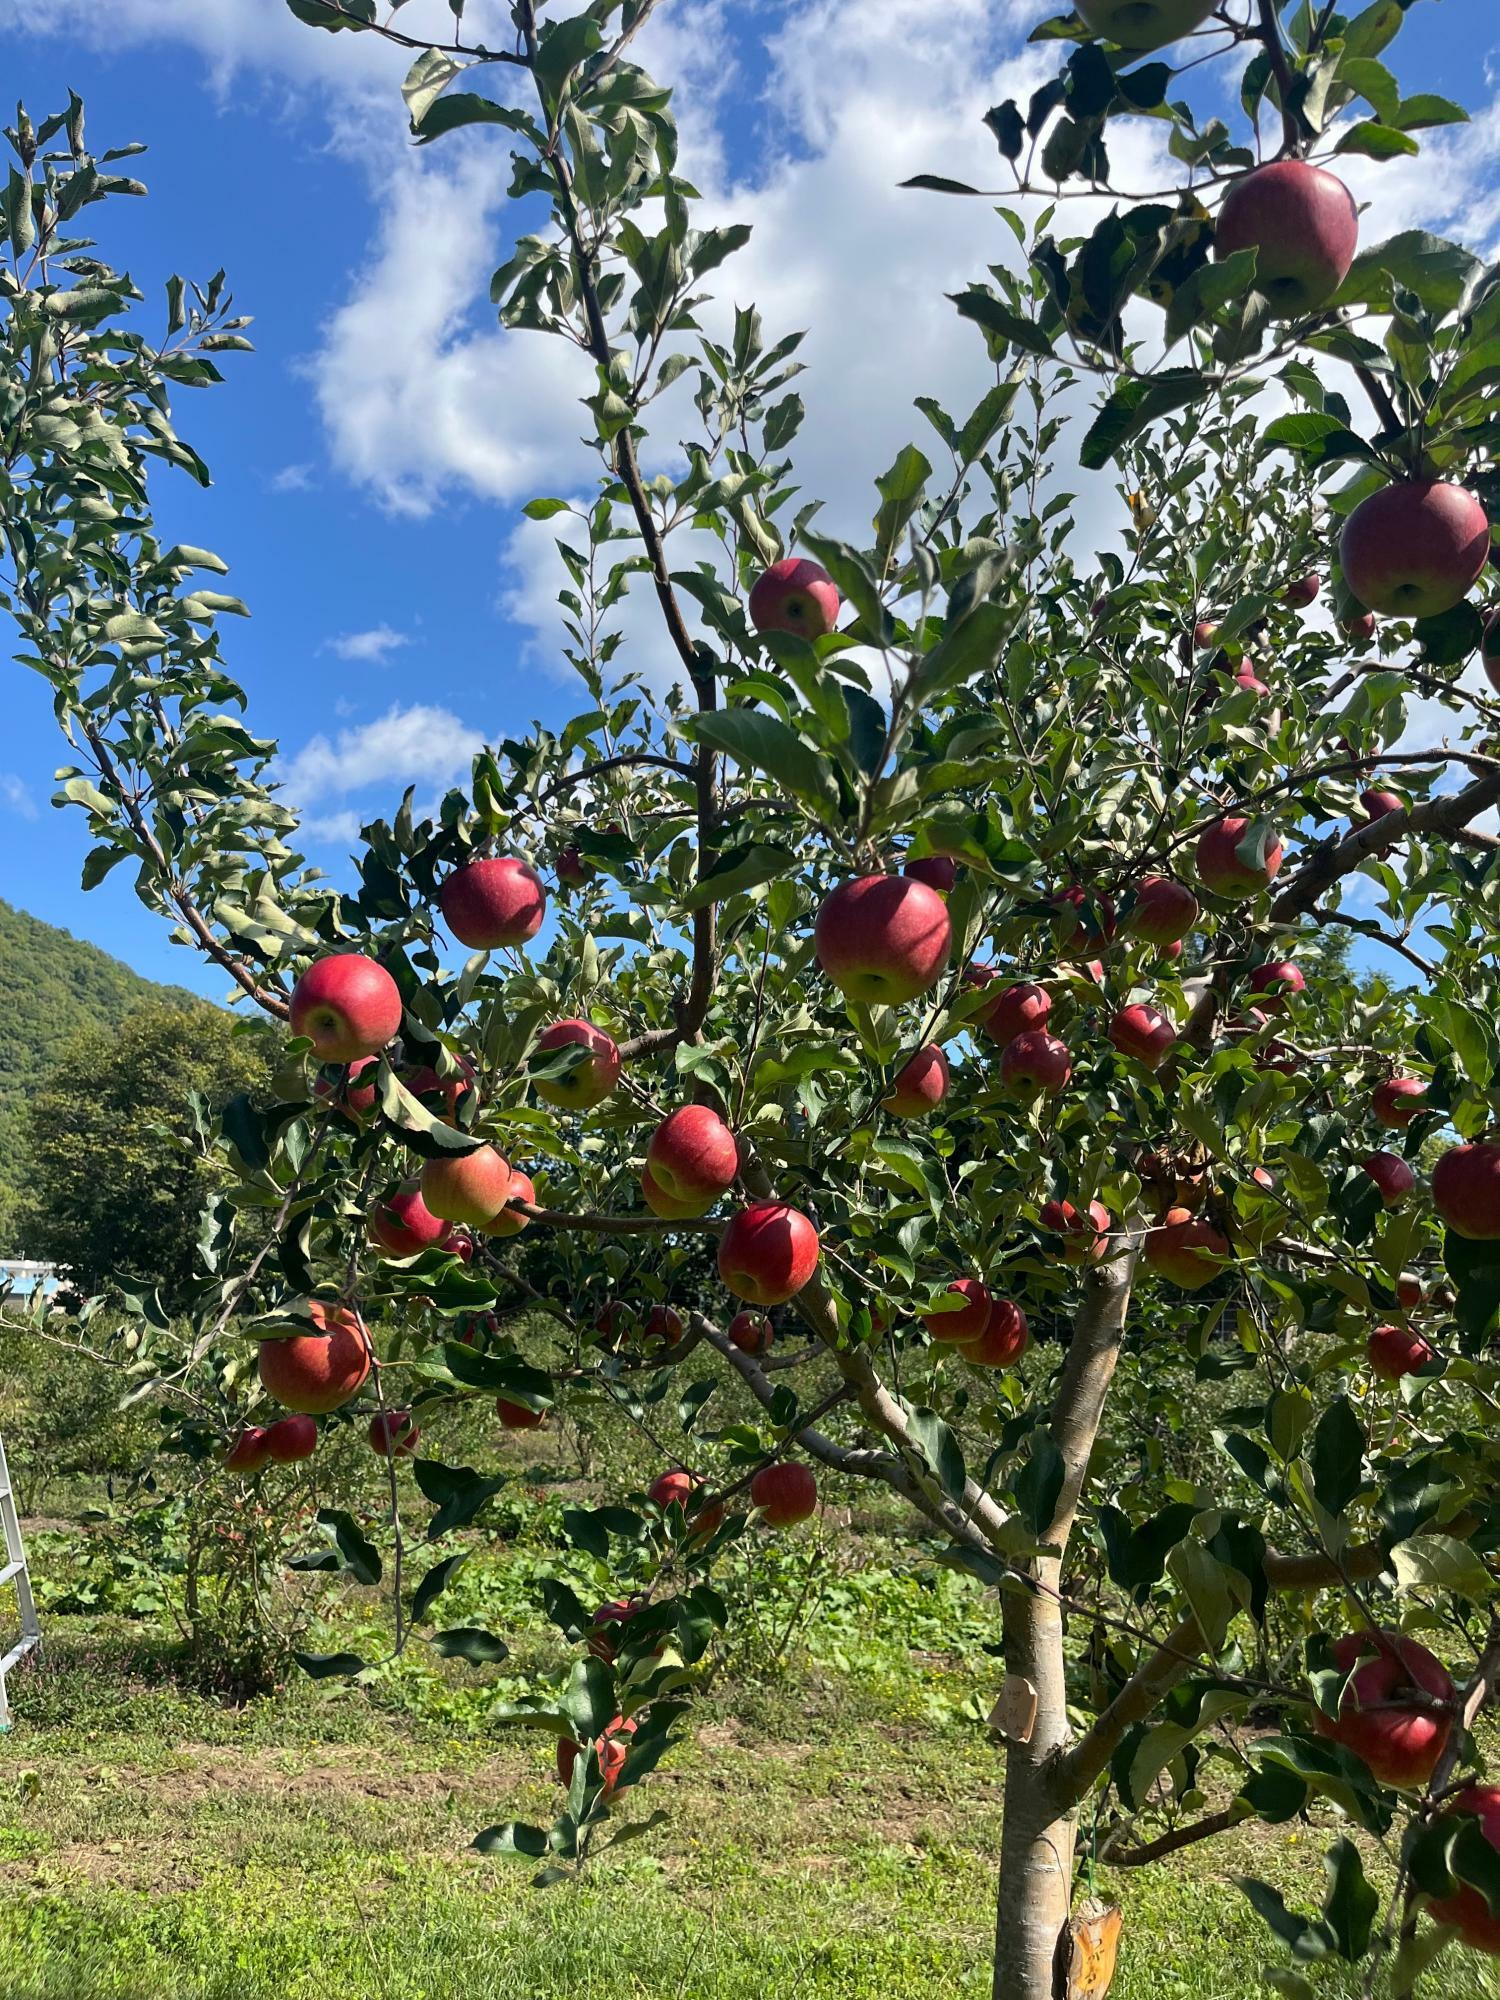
<point x="918" y="1018"/>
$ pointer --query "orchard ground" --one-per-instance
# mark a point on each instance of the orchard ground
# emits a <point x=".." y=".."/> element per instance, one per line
<point x="157" y="1843"/>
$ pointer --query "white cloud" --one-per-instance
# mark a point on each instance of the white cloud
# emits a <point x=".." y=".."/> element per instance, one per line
<point x="375" y="645"/>
<point x="421" y="745"/>
<point x="15" y="797"/>
<point x="292" y="479"/>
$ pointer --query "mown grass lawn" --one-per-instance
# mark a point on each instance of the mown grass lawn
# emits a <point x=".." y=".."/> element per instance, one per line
<point x="821" y="1842"/>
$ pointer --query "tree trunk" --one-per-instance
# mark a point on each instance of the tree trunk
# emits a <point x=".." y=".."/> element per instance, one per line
<point x="1036" y="1843"/>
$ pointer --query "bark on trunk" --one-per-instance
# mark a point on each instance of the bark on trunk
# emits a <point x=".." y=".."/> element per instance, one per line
<point x="1036" y="1846"/>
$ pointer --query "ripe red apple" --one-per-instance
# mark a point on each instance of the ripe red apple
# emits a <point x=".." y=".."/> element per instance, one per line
<point x="1394" y="1351"/>
<point x="883" y="939"/>
<point x="1190" y="1253"/>
<point x="610" y="1748"/>
<point x="606" y="1627"/>
<point x="1139" y="25"/>
<point x="1016" y="1010"/>
<point x="785" y="1493"/>
<point x="1301" y="223"/>
<point x="1165" y="911"/>
<point x="1275" y="982"/>
<point x="664" y="1323"/>
<point x="971" y="1317"/>
<point x="317" y="1372"/>
<point x="573" y="872"/>
<point x="392" y="1434"/>
<point x="661" y="1203"/>
<point x="425" y="1082"/>
<point x="290" y="1440"/>
<point x="1466" y="1909"/>
<point x="1085" y="1235"/>
<point x="1143" y="1032"/>
<point x="510" y="1222"/>
<point x="938" y="871"/>
<point x="1408" y="1292"/>
<point x="401" y="1224"/>
<point x="494" y="902"/>
<point x="1391" y="1175"/>
<point x="613" y="1319"/>
<point x="921" y="1084"/>
<point x="347" y="1006"/>
<point x="1398" y="1100"/>
<point x="1360" y="628"/>
<point x="1204" y="635"/>
<point x="1377" y="804"/>
<point x="1416" y="548"/>
<point x="589" y="1082"/>
<point x="1466" y="1191"/>
<point x="249" y="1452"/>
<point x="693" y="1156"/>
<point x="461" y="1245"/>
<point x="1301" y="592"/>
<point x="680" y="1489"/>
<point x="516" y="1416"/>
<point x="795" y="595"/>
<point x="1400" y="1739"/>
<point x="355" y="1100"/>
<point x="752" y="1333"/>
<point x="1004" y="1340"/>
<point x="768" y="1253"/>
<point x="1094" y="915"/>
<point x="1035" y="1065"/>
<point x="1247" y="681"/>
<point x="467" y="1187"/>
<point x="1225" y="869"/>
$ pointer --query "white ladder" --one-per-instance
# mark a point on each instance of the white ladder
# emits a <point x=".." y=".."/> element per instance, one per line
<point x="13" y="1571"/>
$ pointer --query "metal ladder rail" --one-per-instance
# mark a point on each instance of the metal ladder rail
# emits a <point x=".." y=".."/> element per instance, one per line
<point x="13" y="1571"/>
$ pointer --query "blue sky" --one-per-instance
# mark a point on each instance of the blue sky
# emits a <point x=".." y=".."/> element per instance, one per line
<point x="372" y="456"/>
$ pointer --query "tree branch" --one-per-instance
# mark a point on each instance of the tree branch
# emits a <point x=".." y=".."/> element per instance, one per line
<point x="1173" y="1842"/>
<point x="1270" y="35"/>
<point x="1088" y="1371"/>
<point x="612" y="1225"/>
<point x="591" y="771"/>
<point x="1331" y="860"/>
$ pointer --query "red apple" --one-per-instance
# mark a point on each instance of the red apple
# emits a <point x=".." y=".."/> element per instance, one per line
<point x="392" y="1433"/>
<point x="785" y="1493"/>
<point x="1400" y="1739"/>
<point x="610" y="1748"/>
<point x="317" y="1372"/>
<point x="494" y="902"/>
<point x="1143" y="1032"/>
<point x="1301" y="592"/>
<point x="1190" y="1253"/>
<point x="768" y="1253"/>
<point x="681" y="1489"/>
<point x="1204" y="635"/>
<point x="606" y="1633"/>
<point x="467" y="1187"/>
<point x="401" y="1224"/>
<point x="1275" y="981"/>
<point x="249" y="1452"/>
<point x="1466" y="1909"/>
<point x="883" y="939"/>
<point x="355" y="1100"/>
<point x="1416" y="548"/>
<point x="752" y="1333"/>
<point x="1035" y="1065"/>
<point x="589" y="1082"/>
<point x="510" y="1221"/>
<point x="1004" y="1340"/>
<point x="613" y="1319"/>
<point x="290" y="1440"/>
<point x="938" y="871"/>
<point x="1394" y="1351"/>
<point x="693" y="1156"/>
<point x="1227" y="870"/>
<point x="1408" y="1292"/>
<point x="517" y="1416"/>
<point x="1391" y="1175"/>
<point x="661" y="1203"/>
<point x="1139" y="25"/>
<point x="1247" y="681"/>
<point x="1466" y="1191"/>
<point x="664" y="1323"/>
<point x="1085" y="1235"/>
<point x="920" y="1086"/>
<point x="1398" y="1100"/>
<point x="1165" y="911"/>
<point x="1301" y="223"/>
<point x="970" y="1319"/>
<point x="425" y="1082"/>
<point x="795" y="595"/>
<point x="1361" y="627"/>
<point x="1016" y="1010"/>
<point x="1094" y="915"/>
<point x="573" y="872"/>
<point x="347" y="1006"/>
<point x="1377" y="804"/>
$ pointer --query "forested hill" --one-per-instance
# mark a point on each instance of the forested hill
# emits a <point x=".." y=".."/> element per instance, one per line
<point x="51" y="984"/>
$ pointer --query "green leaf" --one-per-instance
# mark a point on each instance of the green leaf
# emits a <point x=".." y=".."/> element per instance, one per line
<point x="434" y="1583"/>
<point x="543" y="510"/>
<point x="738" y="869"/>
<point x="901" y="489"/>
<point x="324" y="14"/>
<point x="1132" y="407"/>
<point x="1439" y="1562"/>
<point x="465" y="107"/>
<point x="1337" y="1456"/>
<point x="1001" y="322"/>
<point x="1350" y="1906"/>
<point x="429" y="1135"/>
<point x="940" y="1448"/>
<point x="357" y="1553"/>
<point x="329" y="1666"/>
<point x="469" y="1642"/>
<point x="426" y="80"/>
<point x="457" y="1491"/>
<point x="763" y="743"/>
<point x="1305" y="1937"/>
<point x="972" y="646"/>
<point x="1205" y="291"/>
<point x="1376" y="142"/>
<point x="1317" y="439"/>
<point x="1039" y="1483"/>
<point x="1439" y="272"/>
<point x="513" y="1837"/>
